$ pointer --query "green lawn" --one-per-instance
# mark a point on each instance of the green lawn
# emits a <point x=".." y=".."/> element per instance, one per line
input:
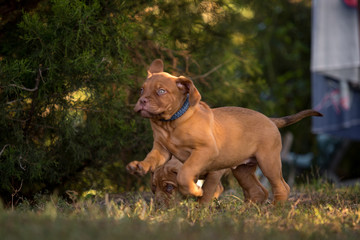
<point x="319" y="211"/>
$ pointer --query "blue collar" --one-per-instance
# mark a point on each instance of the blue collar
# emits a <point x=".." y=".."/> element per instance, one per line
<point x="181" y="112"/>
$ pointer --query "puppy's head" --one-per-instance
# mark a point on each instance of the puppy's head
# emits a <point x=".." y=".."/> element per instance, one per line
<point x="163" y="94"/>
<point x="164" y="184"/>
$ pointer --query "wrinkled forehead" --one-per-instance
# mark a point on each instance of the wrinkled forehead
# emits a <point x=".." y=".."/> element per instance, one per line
<point x="157" y="175"/>
<point x="163" y="79"/>
<point x="161" y="75"/>
<point x="160" y="176"/>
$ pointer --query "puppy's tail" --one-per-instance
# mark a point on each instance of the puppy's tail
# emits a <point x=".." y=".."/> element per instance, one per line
<point x="291" y="119"/>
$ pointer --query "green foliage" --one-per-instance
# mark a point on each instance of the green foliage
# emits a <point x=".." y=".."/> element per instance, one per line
<point x="63" y="94"/>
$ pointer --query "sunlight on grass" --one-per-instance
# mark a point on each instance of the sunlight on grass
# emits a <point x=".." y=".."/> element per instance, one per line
<point x="317" y="214"/>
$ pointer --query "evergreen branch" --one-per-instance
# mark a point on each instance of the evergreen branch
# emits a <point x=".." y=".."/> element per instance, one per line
<point x="15" y="193"/>
<point x="24" y="88"/>
<point x="17" y="120"/>
<point x="33" y="124"/>
<point x="14" y="101"/>
<point x="88" y="109"/>
<point x="3" y="149"/>
<point x="19" y="160"/>
<point x="30" y="89"/>
<point x="209" y="72"/>
<point x="34" y="103"/>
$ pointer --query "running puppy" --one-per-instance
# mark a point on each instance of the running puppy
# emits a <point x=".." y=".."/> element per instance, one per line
<point x="206" y="139"/>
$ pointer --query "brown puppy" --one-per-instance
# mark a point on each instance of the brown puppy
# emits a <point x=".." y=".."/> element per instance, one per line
<point x="164" y="184"/>
<point x="207" y="140"/>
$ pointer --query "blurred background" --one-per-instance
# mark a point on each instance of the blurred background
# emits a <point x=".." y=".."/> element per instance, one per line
<point x="70" y="73"/>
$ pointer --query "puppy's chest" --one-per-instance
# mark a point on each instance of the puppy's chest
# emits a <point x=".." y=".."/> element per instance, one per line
<point x="177" y="146"/>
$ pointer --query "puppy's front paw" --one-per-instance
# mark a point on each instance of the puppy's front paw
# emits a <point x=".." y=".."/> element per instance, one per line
<point x="196" y="191"/>
<point x="138" y="168"/>
<point x="193" y="190"/>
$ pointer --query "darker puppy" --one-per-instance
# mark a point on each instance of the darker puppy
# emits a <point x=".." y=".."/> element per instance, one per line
<point x="206" y="139"/>
<point x="165" y="187"/>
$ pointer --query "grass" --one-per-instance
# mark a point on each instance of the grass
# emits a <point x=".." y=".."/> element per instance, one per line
<point x="316" y="211"/>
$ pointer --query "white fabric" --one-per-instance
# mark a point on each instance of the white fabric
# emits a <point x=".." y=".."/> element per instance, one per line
<point x="335" y="40"/>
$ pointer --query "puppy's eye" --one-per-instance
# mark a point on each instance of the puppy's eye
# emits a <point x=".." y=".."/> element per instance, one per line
<point x="169" y="188"/>
<point x="141" y="91"/>
<point x="161" y="91"/>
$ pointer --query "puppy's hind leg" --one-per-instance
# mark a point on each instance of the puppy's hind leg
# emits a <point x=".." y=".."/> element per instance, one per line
<point x="270" y="166"/>
<point x="253" y="190"/>
<point x="212" y="187"/>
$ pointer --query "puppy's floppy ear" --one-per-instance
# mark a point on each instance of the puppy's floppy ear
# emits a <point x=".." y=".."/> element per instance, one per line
<point x="156" y="66"/>
<point x="188" y="86"/>
<point x="173" y="165"/>
<point x="173" y="170"/>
